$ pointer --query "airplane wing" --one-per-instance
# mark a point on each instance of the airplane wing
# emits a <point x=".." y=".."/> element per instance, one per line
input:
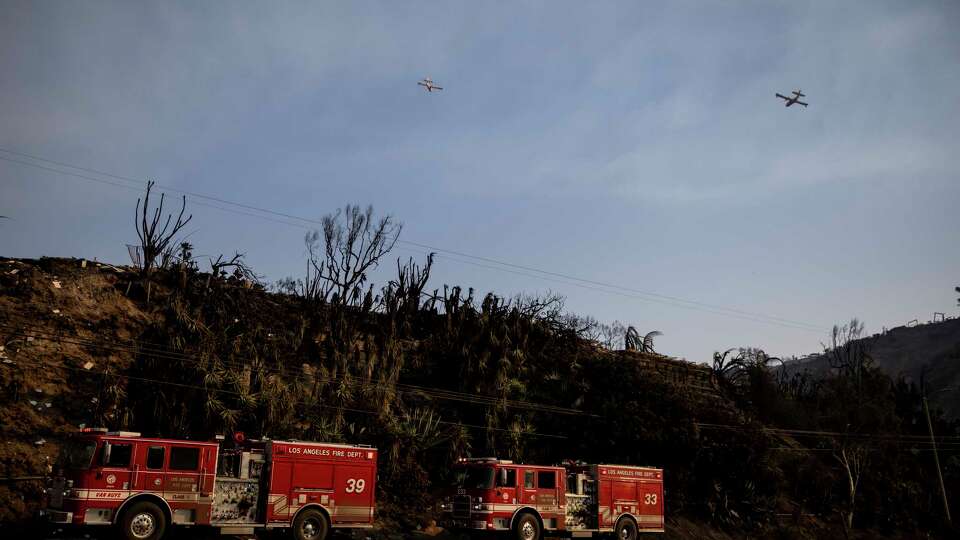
<point x="781" y="96"/>
<point x="802" y="103"/>
<point x="438" y="88"/>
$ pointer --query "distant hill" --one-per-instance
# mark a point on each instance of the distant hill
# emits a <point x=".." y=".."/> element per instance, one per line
<point x="908" y="351"/>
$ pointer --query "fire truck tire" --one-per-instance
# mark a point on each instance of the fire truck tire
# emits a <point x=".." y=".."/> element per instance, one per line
<point x="626" y="529"/>
<point x="143" y="521"/>
<point x="526" y="527"/>
<point x="310" y="524"/>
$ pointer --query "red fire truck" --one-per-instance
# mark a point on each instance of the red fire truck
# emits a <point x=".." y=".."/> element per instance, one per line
<point x="577" y="500"/>
<point x="144" y="485"/>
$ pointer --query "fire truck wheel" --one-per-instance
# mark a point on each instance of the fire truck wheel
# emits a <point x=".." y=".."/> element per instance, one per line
<point x="626" y="529"/>
<point x="310" y="524"/>
<point x="143" y="521"/>
<point x="526" y="528"/>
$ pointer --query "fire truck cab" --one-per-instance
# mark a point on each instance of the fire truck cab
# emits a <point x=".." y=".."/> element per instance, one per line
<point x="145" y="485"/>
<point x="580" y="500"/>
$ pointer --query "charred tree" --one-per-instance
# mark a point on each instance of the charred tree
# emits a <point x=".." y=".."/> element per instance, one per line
<point x="155" y="241"/>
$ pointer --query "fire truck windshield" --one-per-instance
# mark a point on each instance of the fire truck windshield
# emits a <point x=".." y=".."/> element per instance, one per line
<point x="78" y="454"/>
<point x="474" y="478"/>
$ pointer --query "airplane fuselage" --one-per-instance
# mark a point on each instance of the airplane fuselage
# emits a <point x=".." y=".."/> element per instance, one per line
<point x="795" y="99"/>
<point x="428" y="84"/>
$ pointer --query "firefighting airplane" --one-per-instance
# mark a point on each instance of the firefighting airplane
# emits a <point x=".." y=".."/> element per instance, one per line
<point x="427" y="83"/>
<point x="794" y="99"/>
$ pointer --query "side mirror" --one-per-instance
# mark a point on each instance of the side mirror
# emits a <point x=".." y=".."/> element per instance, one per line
<point x="106" y="453"/>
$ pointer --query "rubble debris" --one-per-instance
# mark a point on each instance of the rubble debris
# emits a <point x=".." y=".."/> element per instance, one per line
<point x="33" y="403"/>
<point x="431" y="529"/>
<point x="48" y="404"/>
<point x="38" y="390"/>
<point x="56" y="312"/>
<point x="87" y="365"/>
<point x="83" y="263"/>
<point x="57" y="284"/>
<point x="40" y="442"/>
<point x="111" y="267"/>
<point x="13" y="272"/>
<point x="29" y="338"/>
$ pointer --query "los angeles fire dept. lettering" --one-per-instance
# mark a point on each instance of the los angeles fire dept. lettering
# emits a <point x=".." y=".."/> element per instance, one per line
<point x="332" y="452"/>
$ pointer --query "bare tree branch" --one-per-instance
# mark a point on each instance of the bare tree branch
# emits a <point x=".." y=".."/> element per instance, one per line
<point x="154" y="242"/>
<point x="353" y="244"/>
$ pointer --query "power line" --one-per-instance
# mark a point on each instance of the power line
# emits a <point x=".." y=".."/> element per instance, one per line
<point x="947" y="441"/>
<point x="105" y="373"/>
<point x="137" y="189"/>
<point x="827" y="434"/>
<point x="803" y="450"/>
<point x="500" y="265"/>
<point x="137" y="347"/>
<point x="403" y="388"/>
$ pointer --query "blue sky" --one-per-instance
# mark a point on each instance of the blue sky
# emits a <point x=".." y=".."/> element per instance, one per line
<point x="638" y="144"/>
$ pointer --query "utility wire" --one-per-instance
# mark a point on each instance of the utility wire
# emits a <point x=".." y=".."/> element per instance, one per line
<point x="947" y="441"/>
<point x="402" y="388"/>
<point x="136" y="348"/>
<point x="239" y="364"/>
<point x="106" y="373"/>
<point x="499" y="264"/>
<point x="444" y="394"/>
<point x="827" y="434"/>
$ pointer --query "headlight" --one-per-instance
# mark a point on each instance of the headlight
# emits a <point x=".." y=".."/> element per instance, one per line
<point x="444" y="507"/>
<point x="477" y="507"/>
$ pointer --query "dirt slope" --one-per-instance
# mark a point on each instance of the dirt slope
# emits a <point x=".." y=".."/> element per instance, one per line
<point x="47" y="309"/>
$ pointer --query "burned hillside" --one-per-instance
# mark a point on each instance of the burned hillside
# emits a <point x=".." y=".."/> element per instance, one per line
<point x="426" y="376"/>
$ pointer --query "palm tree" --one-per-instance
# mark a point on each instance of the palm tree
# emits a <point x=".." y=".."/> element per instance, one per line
<point x="633" y="342"/>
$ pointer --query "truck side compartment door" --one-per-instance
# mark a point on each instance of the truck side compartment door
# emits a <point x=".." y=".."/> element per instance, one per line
<point x="312" y="483"/>
<point x="650" y="502"/>
<point x="353" y="492"/>
<point x="280" y="495"/>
